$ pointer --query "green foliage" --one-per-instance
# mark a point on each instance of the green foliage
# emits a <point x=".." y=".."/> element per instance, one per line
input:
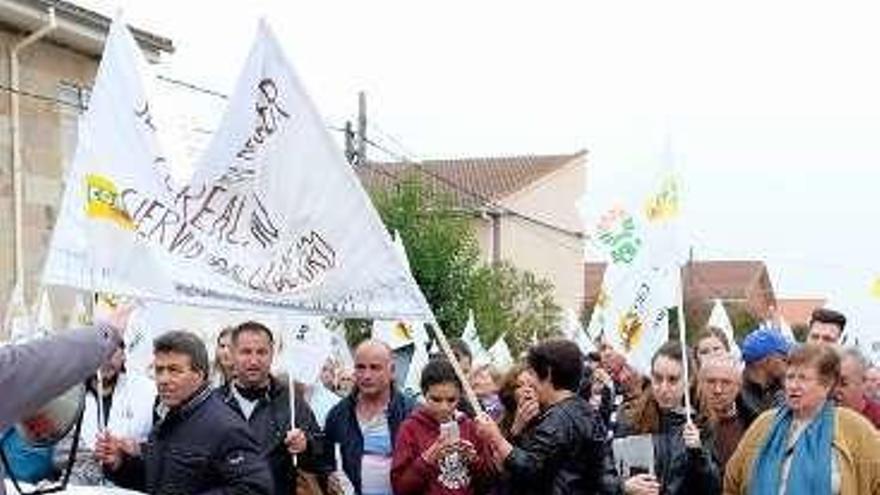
<point x="743" y="321"/>
<point x="445" y="260"/>
<point x="514" y="303"/>
<point x="357" y="330"/>
<point x="442" y="249"/>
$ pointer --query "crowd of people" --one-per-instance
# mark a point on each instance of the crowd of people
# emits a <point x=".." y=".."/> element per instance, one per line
<point x="766" y="416"/>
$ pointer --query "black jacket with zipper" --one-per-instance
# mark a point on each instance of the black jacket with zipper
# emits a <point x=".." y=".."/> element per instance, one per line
<point x="565" y="452"/>
<point x="679" y="469"/>
<point x="201" y="447"/>
<point x="270" y="422"/>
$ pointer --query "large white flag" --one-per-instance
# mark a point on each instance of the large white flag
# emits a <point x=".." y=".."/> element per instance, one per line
<point x="634" y="231"/>
<point x="273" y="217"/>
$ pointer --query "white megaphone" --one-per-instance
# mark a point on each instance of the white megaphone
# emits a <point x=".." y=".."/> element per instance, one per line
<point x="54" y="420"/>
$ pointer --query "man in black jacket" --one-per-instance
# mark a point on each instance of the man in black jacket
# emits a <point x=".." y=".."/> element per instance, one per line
<point x="197" y="444"/>
<point x="263" y="401"/>
<point x="566" y="451"/>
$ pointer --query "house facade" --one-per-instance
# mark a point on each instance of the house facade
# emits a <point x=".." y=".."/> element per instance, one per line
<point x="56" y="65"/>
<point x="522" y="209"/>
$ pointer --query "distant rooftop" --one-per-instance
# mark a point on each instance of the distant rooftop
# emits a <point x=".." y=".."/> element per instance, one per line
<point x="470" y="182"/>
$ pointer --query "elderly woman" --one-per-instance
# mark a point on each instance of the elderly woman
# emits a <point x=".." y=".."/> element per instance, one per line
<point x="807" y="445"/>
<point x="564" y="452"/>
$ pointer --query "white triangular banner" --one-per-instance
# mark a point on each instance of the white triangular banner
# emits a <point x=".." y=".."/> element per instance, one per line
<point x="471" y="337"/>
<point x="272" y="219"/>
<point x="500" y="356"/>
<point x="719" y="318"/>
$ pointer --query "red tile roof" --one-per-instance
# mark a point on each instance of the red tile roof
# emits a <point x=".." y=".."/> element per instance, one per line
<point x="726" y="280"/>
<point x="470" y="182"/>
<point x="798" y="311"/>
<point x="723" y="279"/>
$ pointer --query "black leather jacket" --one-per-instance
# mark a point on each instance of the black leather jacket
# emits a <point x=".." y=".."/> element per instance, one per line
<point x="202" y="447"/>
<point x="680" y="470"/>
<point x="566" y="452"/>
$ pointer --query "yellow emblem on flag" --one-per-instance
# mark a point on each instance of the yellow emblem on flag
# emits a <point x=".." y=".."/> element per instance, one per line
<point x="402" y="331"/>
<point x="103" y="201"/>
<point x="630" y="328"/>
<point x="664" y="204"/>
<point x="602" y="298"/>
<point x="875" y="287"/>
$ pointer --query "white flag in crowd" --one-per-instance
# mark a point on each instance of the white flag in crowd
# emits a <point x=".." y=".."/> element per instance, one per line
<point x="634" y="230"/>
<point x="18" y="321"/>
<point x="420" y="358"/>
<point x="499" y="355"/>
<point x="573" y="330"/>
<point x="273" y="217"/>
<point x="395" y="333"/>
<point x="471" y="338"/>
<point x="719" y="318"/>
<point x="307" y="345"/>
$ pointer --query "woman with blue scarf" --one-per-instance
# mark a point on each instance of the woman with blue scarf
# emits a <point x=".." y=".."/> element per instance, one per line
<point x="808" y="446"/>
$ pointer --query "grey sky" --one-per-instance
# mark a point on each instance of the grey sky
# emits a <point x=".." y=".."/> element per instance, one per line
<point x="773" y="107"/>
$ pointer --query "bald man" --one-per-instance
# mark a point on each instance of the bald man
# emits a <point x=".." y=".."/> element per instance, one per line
<point x="851" y="391"/>
<point x="720" y="382"/>
<point x="365" y="423"/>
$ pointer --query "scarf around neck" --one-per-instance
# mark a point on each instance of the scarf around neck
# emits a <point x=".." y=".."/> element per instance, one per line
<point x="810" y="468"/>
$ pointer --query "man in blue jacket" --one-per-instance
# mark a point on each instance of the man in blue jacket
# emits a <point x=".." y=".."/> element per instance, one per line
<point x="365" y="423"/>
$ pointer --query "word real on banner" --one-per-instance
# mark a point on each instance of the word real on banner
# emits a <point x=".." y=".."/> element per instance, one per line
<point x="273" y="218"/>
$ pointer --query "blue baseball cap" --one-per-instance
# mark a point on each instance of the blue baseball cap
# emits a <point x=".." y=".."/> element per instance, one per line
<point x="763" y="342"/>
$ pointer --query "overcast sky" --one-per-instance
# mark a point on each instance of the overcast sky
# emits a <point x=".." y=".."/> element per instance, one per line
<point x="772" y="107"/>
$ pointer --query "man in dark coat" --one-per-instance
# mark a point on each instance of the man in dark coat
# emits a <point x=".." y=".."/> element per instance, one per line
<point x="197" y="445"/>
<point x="263" y="401"/>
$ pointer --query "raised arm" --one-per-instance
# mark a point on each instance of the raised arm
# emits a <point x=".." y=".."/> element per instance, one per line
<point x="33" y="373"/>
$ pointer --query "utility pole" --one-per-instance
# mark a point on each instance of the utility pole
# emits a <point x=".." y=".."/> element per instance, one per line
<point x="350" y="151"/>
<point x="362" y="129"/>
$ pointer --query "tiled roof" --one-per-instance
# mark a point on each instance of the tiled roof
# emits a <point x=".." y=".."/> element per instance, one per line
<point x="470" y="182"/>
<point x="798" y="311"/>
<point x="729" y="279"/>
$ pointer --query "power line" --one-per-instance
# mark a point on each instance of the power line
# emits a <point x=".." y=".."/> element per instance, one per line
<point x="480" y="197"/>
<point x="192" y="86"/>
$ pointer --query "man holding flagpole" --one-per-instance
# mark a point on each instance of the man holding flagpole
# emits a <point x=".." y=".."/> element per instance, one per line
<point x="263" y="402"/>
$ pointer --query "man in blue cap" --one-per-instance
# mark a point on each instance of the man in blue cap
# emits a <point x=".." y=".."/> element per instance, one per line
<point x="765" y="353"/>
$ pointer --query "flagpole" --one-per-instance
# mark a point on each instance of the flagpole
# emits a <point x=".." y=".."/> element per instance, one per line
<point x="682" y="338"/>
<point x="292" y="384"/>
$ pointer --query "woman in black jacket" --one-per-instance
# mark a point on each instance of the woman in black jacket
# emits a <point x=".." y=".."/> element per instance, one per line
<point x="682" y="465"/>
<point x="565" y="451"/>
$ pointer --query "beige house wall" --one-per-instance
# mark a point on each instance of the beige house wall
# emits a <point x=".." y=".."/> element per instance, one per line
<point x="548" y="253"/>
<point x="47" y="136"/>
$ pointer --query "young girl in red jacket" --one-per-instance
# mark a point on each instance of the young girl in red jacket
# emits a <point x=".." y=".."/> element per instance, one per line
<point x="437" y="450"/>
